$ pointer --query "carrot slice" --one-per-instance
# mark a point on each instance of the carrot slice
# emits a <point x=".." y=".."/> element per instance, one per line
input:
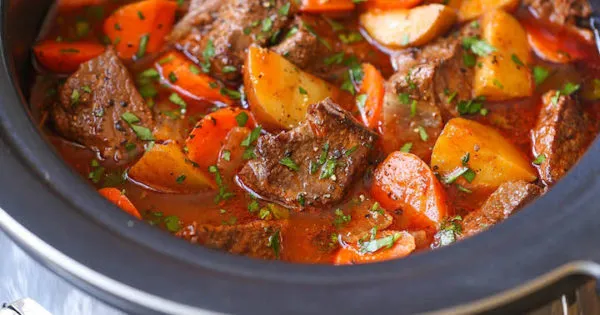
<point x="186" y="78"/>
<point x="404" y="182"/>
<point x="118" y="198"/>
<point x="140" y="27"/>
<point x="391" y="4"/>
<point x="320" y="6"/>
<point x="210" y="133"/>
<point x="386" y="245"/>
<point x="372" y="88"/>
<point x="63" y="57"/>
<point x="555" y="43"/>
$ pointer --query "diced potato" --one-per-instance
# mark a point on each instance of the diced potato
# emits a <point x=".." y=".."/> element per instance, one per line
<point x="504" y="74"/>
<point x="166" y="169"/>
<point x="412" y="27"/>
<point x="472" y="9"/>
<point x="493" y="158"/>
<point x="279" y="93"/>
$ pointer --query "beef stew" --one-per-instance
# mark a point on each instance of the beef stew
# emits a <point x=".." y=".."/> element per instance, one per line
<point x="310" y="132"/>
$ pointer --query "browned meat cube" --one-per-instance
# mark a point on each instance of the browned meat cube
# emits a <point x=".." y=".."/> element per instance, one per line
<point x="506" y="200"/>
<point x="425" y="91"/>
<point x="313" y="164"/>
<point x="304" y="49"/>
<point x="219" y="40"/>
<point x="561" y="135"/>
<point x="260" y="239"/>
<point x="92" y="102"/>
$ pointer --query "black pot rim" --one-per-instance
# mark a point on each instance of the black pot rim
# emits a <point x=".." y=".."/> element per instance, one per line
<point x="83" y="237"/>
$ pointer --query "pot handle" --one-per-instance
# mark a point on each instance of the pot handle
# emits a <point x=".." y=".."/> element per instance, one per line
<point x="24" y="306"/>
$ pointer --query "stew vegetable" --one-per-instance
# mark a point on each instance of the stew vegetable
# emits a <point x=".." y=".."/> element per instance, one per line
<point x="335" y="132"/>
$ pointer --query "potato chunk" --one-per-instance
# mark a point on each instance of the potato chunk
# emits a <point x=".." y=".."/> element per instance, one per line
<point x="412" y="27"/>
<point x="504" y="73"/>
<point x="279" y="93"/>
<point x="166" y="169"/>
<point x="472" y="9"/>
<point x="469" y="144"/>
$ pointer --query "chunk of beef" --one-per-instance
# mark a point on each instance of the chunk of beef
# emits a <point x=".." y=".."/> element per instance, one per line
<point x="305" y="49"/>
<point x="92" y="102"/>
<point x="564" y="13"/>
<point x="324" y="155"/>
<point x="560" y="11"/>
<point x="424" y="91"/>
<point x="506" y="200"/>
<point x="221" y="41"/>
<point x="259" y="239"/>
<point x="562" y="134"/>
<point x="439" y="69"/>
<point x="199" y="13"/>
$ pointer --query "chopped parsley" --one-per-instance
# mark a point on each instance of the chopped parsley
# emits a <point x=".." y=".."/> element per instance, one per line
<point x="248" y="141"/>
<point x="469" y="60"/>
<point x="374" y="245"/>
<point x="143" y="46"/>
<point x="351" y="150"/>
<point x="470" y="107"/>
<point x="449" y="231"/>
<point x="226" y="155"/>
<point x="177" y="100"/>
<point x="172" y="223"/>
<point x="350" y="38"/>
<point x="275" y="243"/>
<point x="180" y="179"/>
<point x="423" y="133"/>
<point x="75" y="97"/>
<point x="540" y="74"/>
<point x="229" y="69"/>
<point x="341" y="218"/>
<point x="516" y="60"/>
<point x="404" y="98"/>
<point x="302" y="91"/>
<point x="406" y="147"/>
<point x="539" y="159"/>
<point x="232" y="94"/>
<point x="289" y="163"/>
<point x="478" y="46"/>
<point x="328" y="169"/>
<point x="285" y="9"/>
<point x="361" y="100"/>
<point x="207" y="54"/>
<point x="241" y="119"/>
<point x="223" y="193"/>
<point x="334" y="59"/>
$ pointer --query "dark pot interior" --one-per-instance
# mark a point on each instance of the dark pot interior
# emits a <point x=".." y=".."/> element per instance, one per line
<point x="60" y="220"/>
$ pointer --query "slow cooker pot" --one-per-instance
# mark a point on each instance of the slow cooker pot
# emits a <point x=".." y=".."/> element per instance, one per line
<point x="549" y="247"/>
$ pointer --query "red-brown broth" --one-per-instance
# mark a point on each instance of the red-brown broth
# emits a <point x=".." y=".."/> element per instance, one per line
<point x="514" y="119"/>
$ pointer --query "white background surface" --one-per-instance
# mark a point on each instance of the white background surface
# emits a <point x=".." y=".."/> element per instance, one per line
<point x="21" y="276"/>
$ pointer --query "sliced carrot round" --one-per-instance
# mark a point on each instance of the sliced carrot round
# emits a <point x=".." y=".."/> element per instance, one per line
<point x="186" y="78"/>
<point x="118" y="198"/>
<point x="404" y="182"/>
<point x="209" y="135"/>
<point x="371" y="91"/>
<point x="62" y="57"/>
<point x="141" y="27"/>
